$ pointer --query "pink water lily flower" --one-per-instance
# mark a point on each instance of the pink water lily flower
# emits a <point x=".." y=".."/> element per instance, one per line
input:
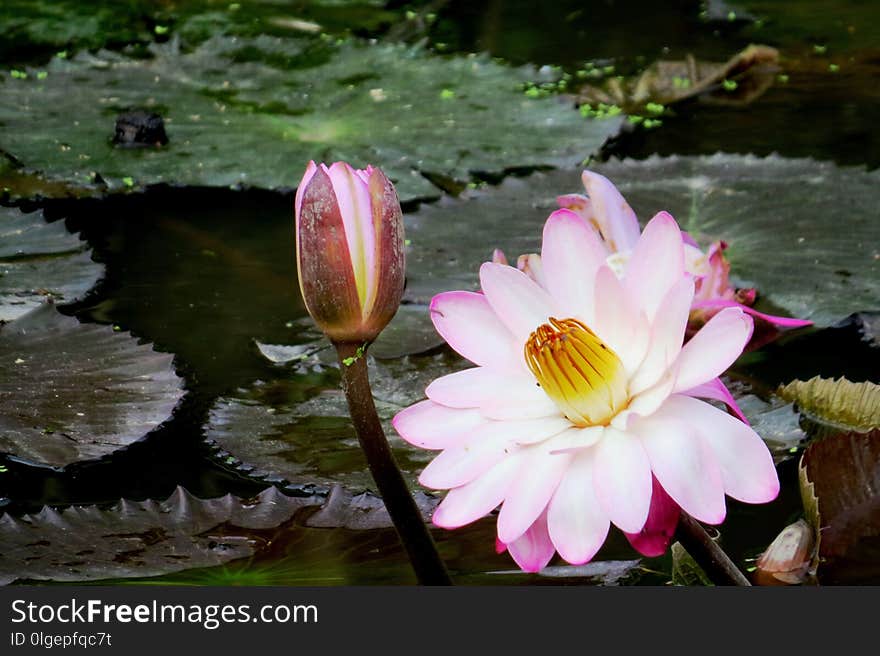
<point x="582" y="409"/>
<point x="605" y="209"/>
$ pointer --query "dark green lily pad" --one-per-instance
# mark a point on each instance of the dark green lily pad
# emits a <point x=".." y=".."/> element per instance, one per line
<point x="37" y="27"/>
<point x="840" y="484"/>
<point x="280" y="431"/>
<point x="71" y="392"/>
<point x="803" y="232"/>
<point x="238" y="113"/>
<point x="138" y="538"/>
<point x="40" y="260"/>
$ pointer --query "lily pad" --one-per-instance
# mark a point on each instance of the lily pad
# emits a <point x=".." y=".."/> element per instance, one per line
<point x="138" y="538"/>
<point x="239" y="112"/>
<point x="840" y="482"/>
<point x="40" y="260"/>
<point x="851" y="406"/>
<point x="803" y="232"/>
<point x="280" y="431"/>
<point x="71" y="392"/>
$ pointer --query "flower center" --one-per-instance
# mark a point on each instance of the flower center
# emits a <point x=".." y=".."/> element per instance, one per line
<point x="582" y="375"/>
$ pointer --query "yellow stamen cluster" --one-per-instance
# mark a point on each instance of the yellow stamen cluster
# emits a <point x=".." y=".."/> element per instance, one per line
<point x="582" y="375"/>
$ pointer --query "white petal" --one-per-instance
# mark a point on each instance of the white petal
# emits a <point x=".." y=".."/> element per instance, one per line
<point x="622" y="479"/>
<point x="714" y="348"/>
<point x="578" y="526"/>
<point x="517" y="299"/>
<point x="656" y="263"/>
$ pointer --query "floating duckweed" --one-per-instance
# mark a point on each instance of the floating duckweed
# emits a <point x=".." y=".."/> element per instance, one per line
<point x="731" y="16"/>
<point x="3" y="469"/>
<point x="782" y="77"/>
<point x="128" y="181"/>
<point x="447" y="94"/>
<point x="161" y="29"/>
<point x="608" y="70"/>
<point x="234" y="6"/>
<point x="820" y="50"/>
<point x="61" y="54"/>
<point x="410" y="14"/>
<point x="655" y="108"/>
<point x="729" y="85"/>
<point x="601" y="110"/>
<point x="18" y="75"/>
<point x="407" y="242"/>
<point x="42" y="75"/>
<point x="635" y="119"/>
<point x="833" y="68"/>
<point x="651" y="123"/>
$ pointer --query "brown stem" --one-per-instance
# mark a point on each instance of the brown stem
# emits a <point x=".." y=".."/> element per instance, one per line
<point x="404" y="512"/>
<point x="706" y="552"/>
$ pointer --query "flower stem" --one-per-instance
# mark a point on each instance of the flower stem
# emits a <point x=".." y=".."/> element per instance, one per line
<point x="404" y="512"/>
<point x="705" y="551"/>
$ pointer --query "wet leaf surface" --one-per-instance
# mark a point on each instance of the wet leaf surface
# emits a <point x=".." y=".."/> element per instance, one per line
<point x="40" y="260"/>
<point x="138" y="538"/>
<point x="283" y="430"/>
<point x="840" y="477"/>
<point x="242" y="112"/>
<point x="72" y="392"/>
<point x="779" y="216"/>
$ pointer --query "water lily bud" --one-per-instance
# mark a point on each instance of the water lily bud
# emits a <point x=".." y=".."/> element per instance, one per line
<point x="349" y="249"/>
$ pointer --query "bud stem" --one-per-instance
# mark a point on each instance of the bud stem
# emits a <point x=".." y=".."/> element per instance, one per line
<point x="405" y="514"/>
<point x="705" y="551"/>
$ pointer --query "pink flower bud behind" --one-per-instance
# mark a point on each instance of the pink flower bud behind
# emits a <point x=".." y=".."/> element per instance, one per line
<point x="349" y="250"/>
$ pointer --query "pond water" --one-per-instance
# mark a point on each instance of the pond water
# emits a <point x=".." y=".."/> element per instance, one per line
<point x="208" y="274"/>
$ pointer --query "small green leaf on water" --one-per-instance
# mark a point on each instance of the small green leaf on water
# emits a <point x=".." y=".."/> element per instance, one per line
<point x="447" y="94"/>
<point x="357" y="356"/>
<point x="61" y="54"/>
<point x="234" y="6"/>
<point x="729" y="85"/>
<point x="42" y="75"/>
<point x="782" y="77"/>
<point x="833" y="68"/>
<point x="407" y="242"/>
<point x="3" y="469"/>
<point x="820" y="50"/>
<point x="161" y="29"/>
<point x="410" y="14"/>
<point x="635" y="119"/>
<point x="128" y="181"/>
<point x="655" y="108"/>
<point x="731" y="16"/>
<point x="18" y="75"/>
<point x="652" y="123"/>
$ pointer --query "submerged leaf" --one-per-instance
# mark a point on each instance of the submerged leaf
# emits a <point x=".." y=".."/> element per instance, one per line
<point x="40" y="260"/>
<point x="851" y="406"/>
<point x="840" y="485"/>
<point x="71" y="392"/>
<point x="782" y="218"/>
<point x="138" y="538"/>
<point x="238" y="113"/>
<point x="685" y="570"/>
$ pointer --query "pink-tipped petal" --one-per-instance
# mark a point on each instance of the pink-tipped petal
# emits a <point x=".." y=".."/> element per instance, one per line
<point x="432" y="426"/>
<point x="613" y="216"/>
<point x="747" y="470"/>
<point x="517" y="299"/>
<point x="466" y="504"/>
<point x="667" y="336"/>
<point x="578" y="526"/>
<point x="622" y="480"/>
<point x="571" y="254"/>
<point x="481" y="448"/>
<point x="779" y="322"/>
<point x="534" y="488"/>
<point x="683" y="464"/>
<point x="471" y="327"/>
<point x="531" y="265"/>
<point x="715" y="389"/>
<point x="498" y="257"/>
<point x="618" y="321"/>
<point x="654" y="538"/>
<point x="533" y="549"/>
<point x="714" y="348"/>
<point x="656" y="264"/>
<point x="355" y="206"/>
<point x="472" y="388"/>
